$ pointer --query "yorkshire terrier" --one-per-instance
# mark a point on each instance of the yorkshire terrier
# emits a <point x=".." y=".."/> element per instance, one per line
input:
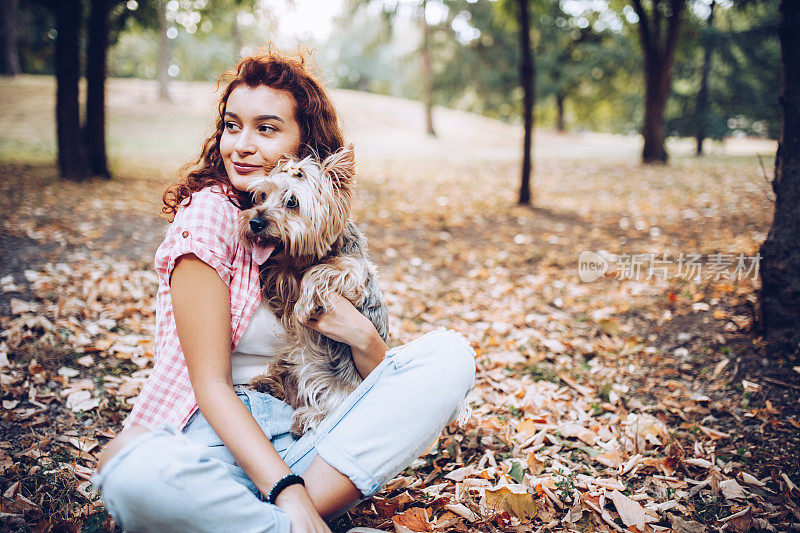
<point x="300" y="223"/>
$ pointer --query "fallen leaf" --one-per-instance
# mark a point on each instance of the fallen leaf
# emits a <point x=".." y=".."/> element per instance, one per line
<point x="82" y="401"/>
<point x="459" y="474"/>
<point x="731" y="489"/>
<point x="516" y="500"/>
<point x="414" y="519"/>
<point x="86" y="360"/>
<point x="679" y="525"/>
<point x="535" y="465"/>
<point x="610" y="458"/>
<point x="630" y="512"/>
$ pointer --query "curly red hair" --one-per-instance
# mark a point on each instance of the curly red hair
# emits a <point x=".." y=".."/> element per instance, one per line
<point x="320" y="133"/>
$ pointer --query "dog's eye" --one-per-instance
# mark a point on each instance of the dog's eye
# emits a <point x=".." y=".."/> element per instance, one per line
<point x="260" y="197"/>
<point x="291" y="202"/>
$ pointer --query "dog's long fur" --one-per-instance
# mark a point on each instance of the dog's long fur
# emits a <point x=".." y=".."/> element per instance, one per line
<point x="304" y="207"/>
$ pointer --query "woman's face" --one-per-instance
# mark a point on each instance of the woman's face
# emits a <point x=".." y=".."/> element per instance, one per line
<point x="260" y="128"/>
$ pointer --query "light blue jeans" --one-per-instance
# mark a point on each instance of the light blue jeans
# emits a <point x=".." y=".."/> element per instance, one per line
<point x="170" y="480"/>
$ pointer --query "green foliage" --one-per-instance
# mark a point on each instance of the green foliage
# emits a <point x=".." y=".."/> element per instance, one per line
<point x="515" y="412"/>
<point x="744" y="82"/>
<point x="36" y="37"/>
<point x="360" y="55"/>
<point x="94" y="522"/>
<point x="489" y="60"/>
<point x="207" y="35"/>
<point x="709" y="509"/>
<point x="605" y="392"/>
<point x="566" y="483"/>
<point x="135" y="56"/>
<point x="542" y="373"/>
<point x="517" y="471"/>
<point x="587" y="55"/>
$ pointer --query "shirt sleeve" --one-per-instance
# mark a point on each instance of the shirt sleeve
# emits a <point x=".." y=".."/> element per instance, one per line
<point x="205" y="228"/>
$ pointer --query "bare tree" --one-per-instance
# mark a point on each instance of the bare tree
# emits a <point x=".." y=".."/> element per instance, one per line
<point x="96" y="54"/>
<point x="427" y="71"/>
<point x="164" y="51"/>
<point x="72" y="159"/>
<point x="527" y="81"/>
<point x="658" y="33"/>
<point x="780" y="270"/>
<point x="9" y="55"/>
<point x="702" y="95"/>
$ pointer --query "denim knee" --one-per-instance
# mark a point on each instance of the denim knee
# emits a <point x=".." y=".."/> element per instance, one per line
<point x="452" y="358"/>
<point x="134" y="478"/>
<point x="166" y="483"/>
<point x="448" y="361"/>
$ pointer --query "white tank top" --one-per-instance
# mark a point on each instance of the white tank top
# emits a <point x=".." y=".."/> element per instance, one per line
<point x="260" y="341"/>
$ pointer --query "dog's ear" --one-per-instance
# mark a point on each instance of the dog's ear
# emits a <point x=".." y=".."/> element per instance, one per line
<point x="340" y="167"/>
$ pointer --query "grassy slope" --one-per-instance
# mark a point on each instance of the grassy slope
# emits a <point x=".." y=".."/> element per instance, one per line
<point x="381" y="127"/>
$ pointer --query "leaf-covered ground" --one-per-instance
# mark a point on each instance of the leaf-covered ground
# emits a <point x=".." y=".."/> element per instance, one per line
<point x="610" y="405"/>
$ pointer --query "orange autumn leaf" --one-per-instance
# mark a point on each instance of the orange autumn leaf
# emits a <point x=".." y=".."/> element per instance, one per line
<point x="414" y="519"/>
<point x="492" y="423"/>
<point x="535" y="465"/>
<point x="610" y="458"/>
<point x="527" y="426"/>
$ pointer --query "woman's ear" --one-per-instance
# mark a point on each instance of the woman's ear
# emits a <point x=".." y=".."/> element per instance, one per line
<point x="340" y="167"/>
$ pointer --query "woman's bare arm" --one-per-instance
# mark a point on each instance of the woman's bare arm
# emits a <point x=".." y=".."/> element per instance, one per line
<point x="344" y="323"/>
<point x="201" y="304"/>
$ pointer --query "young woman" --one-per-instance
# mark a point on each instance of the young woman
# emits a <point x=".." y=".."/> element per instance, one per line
<point x="201" y="451"/>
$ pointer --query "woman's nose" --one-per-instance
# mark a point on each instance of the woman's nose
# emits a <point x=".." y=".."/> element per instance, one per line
<point x="244" y="144"/>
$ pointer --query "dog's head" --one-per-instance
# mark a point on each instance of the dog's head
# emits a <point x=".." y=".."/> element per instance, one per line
<point x="300" y="209"/>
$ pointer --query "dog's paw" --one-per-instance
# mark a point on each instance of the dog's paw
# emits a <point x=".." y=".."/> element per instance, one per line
<point x="296" y="430"/>
<point x="308" y="308"/>
<point x="306" y="419"/>
<point x="272" y="385"/>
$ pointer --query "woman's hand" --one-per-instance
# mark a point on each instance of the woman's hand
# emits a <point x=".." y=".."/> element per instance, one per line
<point x="344" y="323"/>
<point x="294" y="501"/>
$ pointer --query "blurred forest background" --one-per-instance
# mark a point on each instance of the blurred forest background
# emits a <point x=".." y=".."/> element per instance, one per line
<point x="589" y="61"/>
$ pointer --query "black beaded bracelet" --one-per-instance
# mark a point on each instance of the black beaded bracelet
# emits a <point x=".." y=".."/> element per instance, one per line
<point x="285" y="481"/>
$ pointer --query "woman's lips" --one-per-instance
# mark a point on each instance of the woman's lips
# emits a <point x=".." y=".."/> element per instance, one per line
<point x="244" y="169"/>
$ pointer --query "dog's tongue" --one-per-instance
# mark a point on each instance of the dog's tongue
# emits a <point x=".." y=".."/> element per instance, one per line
<point x="262" y="253"/>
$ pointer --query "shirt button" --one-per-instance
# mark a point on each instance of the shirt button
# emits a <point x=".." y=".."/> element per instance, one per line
<point x="185" y="234"/>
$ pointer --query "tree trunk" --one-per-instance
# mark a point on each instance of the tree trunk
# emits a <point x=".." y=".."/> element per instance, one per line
<point x="72" y="160"/>
<point x="427" y="72"/>
<point x="658" y="44"/>
<point x="95" y="132"/>
<point x="526" y="78"/>
<point x="655" y="100"/>
<point x="702" y="96"/>
<point x="236" y="37"/>
<point x="9" y="62"/>
<point x="560" y="126"/>
<point x="780" y="270"/>
<point x="164" y="52"/>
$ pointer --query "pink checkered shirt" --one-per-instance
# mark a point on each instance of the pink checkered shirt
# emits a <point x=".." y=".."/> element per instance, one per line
<point x="207" y="229"/>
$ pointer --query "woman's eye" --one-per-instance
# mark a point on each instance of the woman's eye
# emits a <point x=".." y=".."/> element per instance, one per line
<point x="265" y="128"/>
<point x="291" y="202"/>
<point x="230" y="126"/>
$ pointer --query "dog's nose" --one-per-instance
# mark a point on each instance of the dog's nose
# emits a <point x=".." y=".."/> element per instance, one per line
<point x="257" y="224"/>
